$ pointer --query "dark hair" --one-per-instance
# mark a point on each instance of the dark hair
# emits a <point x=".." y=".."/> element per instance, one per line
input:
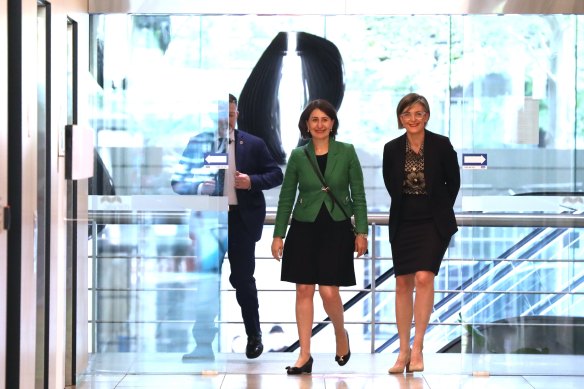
<point x="407" y="101"/>
<point x="325" y="107"/>
<point x="232" y="99"/>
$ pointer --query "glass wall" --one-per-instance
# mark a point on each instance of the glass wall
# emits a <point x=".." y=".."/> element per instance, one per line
<point x="506" y="89"/>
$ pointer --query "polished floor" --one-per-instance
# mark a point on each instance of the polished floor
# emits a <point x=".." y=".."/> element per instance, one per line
<point x="234" y="371"/>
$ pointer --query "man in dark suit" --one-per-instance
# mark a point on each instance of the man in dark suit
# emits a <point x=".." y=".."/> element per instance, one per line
<point x="252" y="169"/>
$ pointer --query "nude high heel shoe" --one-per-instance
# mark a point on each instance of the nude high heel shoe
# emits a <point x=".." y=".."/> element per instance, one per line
<point x="419" y="365"/>
<point x="401" y="364"/>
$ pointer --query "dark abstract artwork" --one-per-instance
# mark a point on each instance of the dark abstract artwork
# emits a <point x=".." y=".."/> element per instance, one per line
<point x="322" y="78"/>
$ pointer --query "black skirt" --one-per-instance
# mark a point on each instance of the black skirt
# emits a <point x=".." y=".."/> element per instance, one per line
<point x="320" y="252"/>
<point x="417" y="244"/>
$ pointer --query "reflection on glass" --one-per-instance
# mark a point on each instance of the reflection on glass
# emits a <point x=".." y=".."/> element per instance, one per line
<point x="151" y="95"/>
<point x="197" y="175"/>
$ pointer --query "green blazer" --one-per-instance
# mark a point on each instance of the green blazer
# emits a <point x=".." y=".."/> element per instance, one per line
<point x="344" y="177"/>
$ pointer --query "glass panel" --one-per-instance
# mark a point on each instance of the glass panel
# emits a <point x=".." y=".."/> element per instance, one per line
<point x="157" y="256"/>
<point x="512" y="101"/>
<point x="506" y="87"/>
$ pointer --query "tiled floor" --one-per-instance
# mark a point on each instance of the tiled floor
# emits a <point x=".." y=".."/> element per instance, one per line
<point x="234" y="371"/>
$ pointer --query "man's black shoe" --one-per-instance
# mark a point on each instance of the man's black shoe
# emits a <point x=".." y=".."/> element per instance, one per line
<point x="254" y="347"/>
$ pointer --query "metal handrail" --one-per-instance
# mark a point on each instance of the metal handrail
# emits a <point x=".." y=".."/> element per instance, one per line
<point x="564" y="220"/>
<point x="466" y="219"/>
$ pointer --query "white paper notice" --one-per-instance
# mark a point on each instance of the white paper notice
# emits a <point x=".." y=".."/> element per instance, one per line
<point x="528" y="122"/>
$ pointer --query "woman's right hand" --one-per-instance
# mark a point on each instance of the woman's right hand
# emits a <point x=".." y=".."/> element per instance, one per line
<point x="277" y="247"/>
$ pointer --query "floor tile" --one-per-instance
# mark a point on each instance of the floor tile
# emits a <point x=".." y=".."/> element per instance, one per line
<point x="386" y="381"/>
<point x="171" y="381"/>
<point x="98" y="381"/>
<point x="472" y="382"/>
<point x="555" y="382"/>
<point x="270" y="381"/>
<point x="364" y="371"/>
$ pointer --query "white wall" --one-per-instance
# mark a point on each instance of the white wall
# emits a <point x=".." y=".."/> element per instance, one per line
<point x="60" y="10"/>
<point x="29" y="146"/>
<point x="77" y="11"/>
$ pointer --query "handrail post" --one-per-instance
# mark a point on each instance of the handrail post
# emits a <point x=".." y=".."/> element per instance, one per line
<point x="94" y="281"/>
<point x="373" y="284"/>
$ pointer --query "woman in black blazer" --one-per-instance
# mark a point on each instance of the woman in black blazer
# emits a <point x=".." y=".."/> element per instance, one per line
<point x="422" y="176"/>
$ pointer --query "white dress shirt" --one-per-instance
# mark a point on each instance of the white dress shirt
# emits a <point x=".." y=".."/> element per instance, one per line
<point x="229" y="187"/>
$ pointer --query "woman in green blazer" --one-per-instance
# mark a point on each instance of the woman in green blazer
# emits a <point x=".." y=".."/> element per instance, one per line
<point x="321" y="242"/>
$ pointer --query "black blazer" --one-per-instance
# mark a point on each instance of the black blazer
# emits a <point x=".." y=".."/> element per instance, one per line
<point x="253" y="158"/>
<point x="442" y="175"/>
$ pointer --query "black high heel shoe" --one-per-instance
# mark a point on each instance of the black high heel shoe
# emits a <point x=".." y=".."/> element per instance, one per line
<point x="343" y="359"/>
<point x="304" y="369"/>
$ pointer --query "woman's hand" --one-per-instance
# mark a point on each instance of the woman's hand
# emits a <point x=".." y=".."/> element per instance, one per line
<point x="277" y="247"/>
<point x="360" y="244"/>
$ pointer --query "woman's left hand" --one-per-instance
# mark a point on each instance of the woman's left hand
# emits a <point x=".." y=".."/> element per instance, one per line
<point x="277" y="247"/>
<point x="360" y="244"/>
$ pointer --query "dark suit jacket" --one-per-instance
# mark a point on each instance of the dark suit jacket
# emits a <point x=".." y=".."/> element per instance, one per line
<point x="442" y="175"/>
<point x="251" y="157"/>
<point x="344" y="177"/>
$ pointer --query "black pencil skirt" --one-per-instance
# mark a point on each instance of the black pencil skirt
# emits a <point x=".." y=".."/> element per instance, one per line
<point x="320" y="252"/>
<point x="417" y="244"/>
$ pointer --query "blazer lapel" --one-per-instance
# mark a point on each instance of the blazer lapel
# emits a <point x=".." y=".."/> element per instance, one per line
<point x="400" y="159"/>
<point x="429" y="165"/>
<point x="331" y="160"/>
<point x="239" y="146"/>
<point x="310" y="147"/>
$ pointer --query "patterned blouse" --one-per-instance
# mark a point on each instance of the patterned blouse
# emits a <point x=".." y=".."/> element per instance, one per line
<point x="414" y="181"/>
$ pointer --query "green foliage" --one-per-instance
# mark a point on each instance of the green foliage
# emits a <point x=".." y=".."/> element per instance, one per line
<point x="450" y="59"/>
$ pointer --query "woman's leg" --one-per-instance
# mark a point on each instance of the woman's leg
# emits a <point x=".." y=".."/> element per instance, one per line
<point x="304" y="320"/>
<point x="423" y="305"/>
<point x="333" y="306"/>
<point x="404" y="310"/>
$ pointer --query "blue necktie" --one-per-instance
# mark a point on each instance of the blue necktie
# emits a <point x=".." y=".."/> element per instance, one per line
<point x="221" y="148"/>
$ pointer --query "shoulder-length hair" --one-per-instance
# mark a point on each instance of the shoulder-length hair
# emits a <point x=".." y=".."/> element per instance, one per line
<point x="325" y="107"/>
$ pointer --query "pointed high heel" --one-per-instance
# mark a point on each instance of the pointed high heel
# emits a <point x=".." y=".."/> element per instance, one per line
<point x="417" y="366"/>
<point x="401" y="365"/>
<point x="304" y="369"/>
<point x="343" y="359"/>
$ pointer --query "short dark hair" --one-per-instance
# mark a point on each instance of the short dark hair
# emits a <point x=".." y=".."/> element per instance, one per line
<point x="407" y="101"/>
<point x="325" y="107"/>
<point x="232" y="99"/>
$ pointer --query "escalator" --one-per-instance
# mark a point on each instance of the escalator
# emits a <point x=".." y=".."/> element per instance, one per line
<point x="530" y="286"/>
